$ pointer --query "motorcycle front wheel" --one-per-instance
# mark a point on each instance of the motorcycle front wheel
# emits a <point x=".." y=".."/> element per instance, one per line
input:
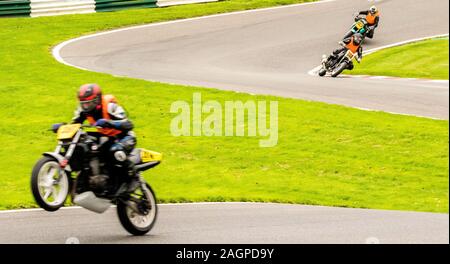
<point x="340" y="68"/>
<point x="322" y="72"/>
<point x="138" y="215"/>
<point x="49" y="184"/>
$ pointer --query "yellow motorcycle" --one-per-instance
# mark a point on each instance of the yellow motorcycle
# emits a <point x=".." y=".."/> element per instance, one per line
<point x="78" y="167"/>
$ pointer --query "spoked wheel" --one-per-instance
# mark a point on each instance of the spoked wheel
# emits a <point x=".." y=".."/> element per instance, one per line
<point x="49" y="184"/>
<point x="138" y="214"/>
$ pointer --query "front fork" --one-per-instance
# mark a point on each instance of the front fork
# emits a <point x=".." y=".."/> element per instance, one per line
<point x="135" y="204"/>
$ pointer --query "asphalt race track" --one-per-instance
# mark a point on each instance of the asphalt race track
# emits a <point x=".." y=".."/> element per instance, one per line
<point x="271" y="52"/>
<point x="225" y="223"/>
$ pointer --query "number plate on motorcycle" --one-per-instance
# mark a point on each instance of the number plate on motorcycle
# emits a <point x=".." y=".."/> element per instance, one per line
<point x="67" y="131"/>
<point x="149" y="156"/>
<point x="359" y="25"/>
<point x="349" y="55"/>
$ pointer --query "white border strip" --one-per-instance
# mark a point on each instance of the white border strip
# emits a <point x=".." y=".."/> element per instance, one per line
<point x="57" y="50"/>
<point x="159" y="204"/>
<point x="314" y="71"/>
<point x="220" y="203"/>
<point x="397" y="113"/>
<point x="61" y="7"/>
<point x="35" y="210"/>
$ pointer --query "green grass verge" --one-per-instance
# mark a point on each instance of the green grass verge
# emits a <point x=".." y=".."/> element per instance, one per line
<point x="327" y="154"/>
<point x="425" y="59"/>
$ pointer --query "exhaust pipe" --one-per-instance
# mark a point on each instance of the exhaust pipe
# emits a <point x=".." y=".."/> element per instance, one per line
<point x="89" y="201"/>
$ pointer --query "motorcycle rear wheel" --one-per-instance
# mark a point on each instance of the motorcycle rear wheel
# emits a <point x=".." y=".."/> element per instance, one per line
<point x="49" y="184"/>
<point x="136" y="223"/>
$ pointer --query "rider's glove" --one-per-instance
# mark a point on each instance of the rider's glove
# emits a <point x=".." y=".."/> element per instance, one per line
<point x="55" y="127"/>
<point x="102" y="123"/>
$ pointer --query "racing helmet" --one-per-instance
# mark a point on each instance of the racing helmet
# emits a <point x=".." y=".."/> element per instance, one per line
<point x="90" y="97"/>
<point x="373" y="10"/>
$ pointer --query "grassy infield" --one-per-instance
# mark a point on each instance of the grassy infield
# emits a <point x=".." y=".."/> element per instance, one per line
<point x="425" y="59"/>
<point x="327" y="154"/>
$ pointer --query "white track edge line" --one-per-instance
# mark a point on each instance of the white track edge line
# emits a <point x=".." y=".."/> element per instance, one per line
<point x="159" y="204"/>
<point x="397" y="113"/>
<point x="57" y="49"/>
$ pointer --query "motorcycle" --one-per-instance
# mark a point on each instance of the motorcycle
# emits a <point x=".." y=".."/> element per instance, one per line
<point x="335" y="65"/>
<point x="360" y="26"/>
<point x="78" y="167"/>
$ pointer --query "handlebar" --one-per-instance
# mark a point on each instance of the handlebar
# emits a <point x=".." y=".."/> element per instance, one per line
<point x="90" y="126"/>
<point x="55" y="129"/>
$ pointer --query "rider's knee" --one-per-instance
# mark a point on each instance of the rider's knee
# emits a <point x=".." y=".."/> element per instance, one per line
<point x="128" y="143"/>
